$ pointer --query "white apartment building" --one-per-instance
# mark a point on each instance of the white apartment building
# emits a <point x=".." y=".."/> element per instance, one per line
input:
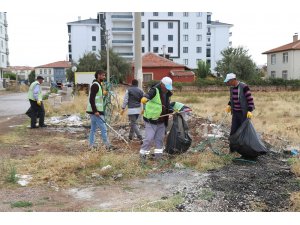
<point x="4" y="52"/>
<point x="84" y="37"/>
<point x="184" y="37"/>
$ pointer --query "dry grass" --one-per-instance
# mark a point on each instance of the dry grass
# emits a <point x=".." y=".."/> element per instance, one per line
<point x="295" y="199"/>
<point x="276" y="113"/>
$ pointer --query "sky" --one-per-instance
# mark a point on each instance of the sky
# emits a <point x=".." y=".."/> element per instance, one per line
<point x="38" y="35"/>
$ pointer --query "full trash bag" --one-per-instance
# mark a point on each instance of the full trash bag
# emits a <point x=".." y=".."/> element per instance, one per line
<point x="178" y="140"/>
<point x="246" y="141"/>
<point x="30" y="113"/>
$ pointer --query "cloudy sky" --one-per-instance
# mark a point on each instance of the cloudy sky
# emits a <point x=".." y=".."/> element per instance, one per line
<point x="38" y="29"/>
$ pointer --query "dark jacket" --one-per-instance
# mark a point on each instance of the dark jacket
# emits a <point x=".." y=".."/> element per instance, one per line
<point x="134" y="97"/>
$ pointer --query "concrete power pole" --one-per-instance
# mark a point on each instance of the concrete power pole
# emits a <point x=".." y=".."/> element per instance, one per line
<point x="107" y="56"/>
<point x="138" y="73"/>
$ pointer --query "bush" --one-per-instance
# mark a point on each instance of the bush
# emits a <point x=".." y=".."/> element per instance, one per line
<point x="178" y="85"/>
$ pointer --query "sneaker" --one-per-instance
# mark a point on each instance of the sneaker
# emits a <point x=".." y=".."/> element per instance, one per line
<point x="44" y="125"/>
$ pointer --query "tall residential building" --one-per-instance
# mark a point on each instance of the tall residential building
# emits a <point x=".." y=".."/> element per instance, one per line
<point x="84" y="37"/>
<point x="4" y="52"/>
<point x="184" y="37"/>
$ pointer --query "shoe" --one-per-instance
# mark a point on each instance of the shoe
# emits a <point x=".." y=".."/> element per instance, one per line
<point x="34" y="127"/>
<point x="111" y="148"/>
<point x="44" y="125"/>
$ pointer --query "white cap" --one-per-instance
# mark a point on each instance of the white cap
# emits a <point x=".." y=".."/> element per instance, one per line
<point x="167" y="81"/>
<point x="229" y="77"/>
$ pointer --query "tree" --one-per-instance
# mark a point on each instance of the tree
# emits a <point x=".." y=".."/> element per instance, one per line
<point x="237" y="60"/>
<point x="70" y="75"/>
<point x="203" y="69"/>
<point x="31" y="76"/>
<point x="89" y="63"/>
<point x="119" y="67"/>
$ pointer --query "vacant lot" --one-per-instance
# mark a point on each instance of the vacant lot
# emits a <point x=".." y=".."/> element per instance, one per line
<point x="65" y="176"/>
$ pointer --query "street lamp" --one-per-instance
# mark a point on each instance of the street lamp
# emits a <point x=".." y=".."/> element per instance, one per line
<point x="107" y="54"/>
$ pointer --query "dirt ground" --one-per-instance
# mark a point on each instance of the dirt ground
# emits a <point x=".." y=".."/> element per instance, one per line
<point x="263" y="185"/>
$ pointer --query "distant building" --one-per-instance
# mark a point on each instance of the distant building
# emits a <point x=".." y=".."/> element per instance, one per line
<point x="184" y="37"/>
<point x="156" y="67"/>
<point x="55" y="72"/>
<point x="284" y="61"/>
<point x="21" y="71"/>
<point x="4" y="51"/>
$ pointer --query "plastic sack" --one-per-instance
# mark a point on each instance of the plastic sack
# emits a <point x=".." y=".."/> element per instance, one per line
<point x="246" y="141"/>
<point x="178" y="140"/>
<point x="30" y="112"/>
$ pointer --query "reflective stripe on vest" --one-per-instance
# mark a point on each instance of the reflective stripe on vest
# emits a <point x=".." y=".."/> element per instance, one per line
<point x="178" y="106"/>
<point x="31" y="89"/>
<point x="98" y="100"/>
<point x="153" y="107"/>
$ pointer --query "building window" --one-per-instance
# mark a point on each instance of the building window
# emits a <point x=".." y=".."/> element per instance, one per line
<point x="273" y="59"/>
<point x="170" y="13"/>
<point x="208" y="62"/>
<point x="170" y="49"/>
<point x="185" y="25"/>
<point x="208" y="39"/>
<point x="142" y="13"/>
<point x="170" y="25"/>
<point x="185" y="37"/>
<point x="285" y="57"/>
<point x="93" y="48"/>
<point x="185" y="14"/>
<point x="198" y="49"/>
<point x="185" y="61"/>
<point x="155" y="37"/>
<point x="41" y="71"/>
<point x="93" y="28"/>
<point x="147" y="77"/>
<point x="273" y="74"/>
<point x="155" y="49"/>
<point x="143" y="24"/>
<point x="199" y="25"/>
<point x="93" y="38"/>
<point x="45" y="71"/>
<point x="155" y="13"/>
<point x="143" y="49"/>
<point x="199" y="37"/>
<point x="284" y="74"/>
<point x="170" y="37"/>
<point x="198" y="14"/>
<point x="143" y="37"/>
<point x="185" y="49"/>
<point x="49" y="71"/>
<point x="208" y="52"/>
<point x="155" y="25"/>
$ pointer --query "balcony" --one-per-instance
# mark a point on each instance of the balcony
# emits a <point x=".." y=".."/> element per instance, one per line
<point x="122" y="42"/>
<point x="208" y="44"/>
<point x="122" y="30"/>
<point x="126" y="54"/>
<point x="7" y="51"/>
<point x="6" y="37"/>
<point x="121" y="17"/>
<point x="208" y="33"/>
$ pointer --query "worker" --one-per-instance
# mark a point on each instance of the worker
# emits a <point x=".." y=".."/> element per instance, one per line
<point x="36" y="103"/>
<point x="157" y="104"/>
<point x="132" y="99"/>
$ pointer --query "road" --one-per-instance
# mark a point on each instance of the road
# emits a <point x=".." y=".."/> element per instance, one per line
<point x="13" y="104"/>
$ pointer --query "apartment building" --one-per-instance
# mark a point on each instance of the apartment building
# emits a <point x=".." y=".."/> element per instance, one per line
<point x="4" y="51"/>
<point x="184" y="37"/>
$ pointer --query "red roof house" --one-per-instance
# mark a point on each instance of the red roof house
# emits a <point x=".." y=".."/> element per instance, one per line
<point x="156" y="67"/>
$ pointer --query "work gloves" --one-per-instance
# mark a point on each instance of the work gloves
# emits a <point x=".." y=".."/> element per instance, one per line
<point x="105" y="92"/>
<point x="39" y="103"/>
<point x="228" y="109"/>
<point x="249" y="115"/>
<point x="144" y="100"/>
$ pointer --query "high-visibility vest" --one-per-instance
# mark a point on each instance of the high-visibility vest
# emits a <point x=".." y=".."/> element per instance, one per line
<point x="31" y="89"/>
<point x="178" y="106"/>
<point x="98" y="100"/>
<point x="153" y="107"/>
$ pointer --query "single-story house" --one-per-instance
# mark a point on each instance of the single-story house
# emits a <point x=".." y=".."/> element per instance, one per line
<point x="55" y="72"/>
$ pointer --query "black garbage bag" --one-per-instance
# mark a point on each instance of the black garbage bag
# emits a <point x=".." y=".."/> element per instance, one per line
<point x="30" y="112"/>
<point x="178" y="140"/>
<point x="246" y="141"/>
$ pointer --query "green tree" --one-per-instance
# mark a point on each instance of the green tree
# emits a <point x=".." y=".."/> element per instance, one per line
<point x="237" y="60"/>
<point x="10" y="75"/>
<point x="88" y="63"/>
<point x="31" y="76"/>
<point x="119" y="67"/>
<point x="203" y="69"/>
<point x="70" y="75"/>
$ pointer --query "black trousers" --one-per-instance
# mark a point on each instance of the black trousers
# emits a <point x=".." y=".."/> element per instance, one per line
<point x="237" y="119"/>
<point x="37" y="111"/>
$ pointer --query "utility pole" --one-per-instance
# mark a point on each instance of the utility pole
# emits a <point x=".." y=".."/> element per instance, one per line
<point x="138" y="71"/>
<point x="107" y="56"/>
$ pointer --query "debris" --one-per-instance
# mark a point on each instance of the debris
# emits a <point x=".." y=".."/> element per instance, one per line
<point x="23" y="180"/>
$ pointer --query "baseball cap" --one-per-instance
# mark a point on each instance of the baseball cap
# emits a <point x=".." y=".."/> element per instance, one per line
<point x="167" y="81"/>
<point x="229" y="77"/>
<point x="40" y="78"/>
